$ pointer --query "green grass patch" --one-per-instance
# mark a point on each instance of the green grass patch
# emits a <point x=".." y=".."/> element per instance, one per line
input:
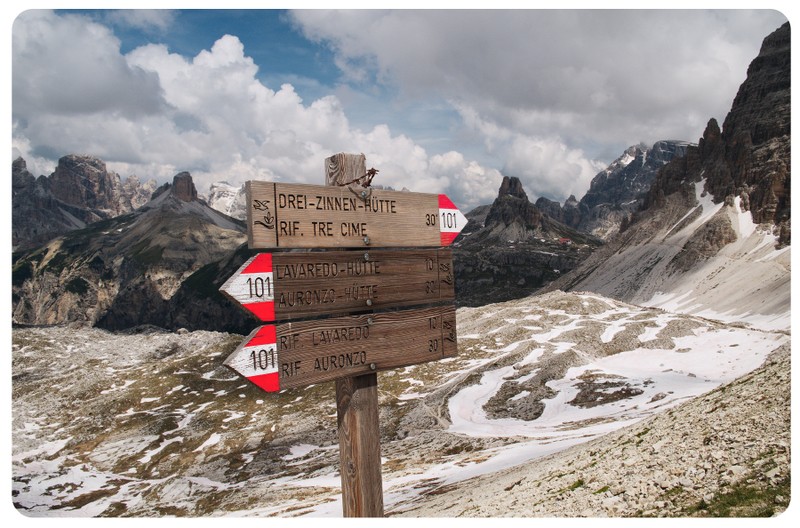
<point x="575" y="485"/>
<point x="746" y="500"/>
<point x="601" y="490"/>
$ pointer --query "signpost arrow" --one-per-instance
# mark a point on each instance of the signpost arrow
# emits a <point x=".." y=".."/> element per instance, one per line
<point x="315" y="216"/>
<point x="285" y="286"/>
<point x="288" y="355"/>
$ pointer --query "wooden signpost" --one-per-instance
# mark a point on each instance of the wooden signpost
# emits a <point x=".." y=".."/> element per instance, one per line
<point x="285" y="286"/>
<point x="281" y="286"/>
<point x="289" y="215"/>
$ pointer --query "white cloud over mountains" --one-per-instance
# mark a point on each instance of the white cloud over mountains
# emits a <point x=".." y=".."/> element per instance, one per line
<point x="605" y="75"/>
<point x="155" y="113"/>
<point x="541" y="93"/>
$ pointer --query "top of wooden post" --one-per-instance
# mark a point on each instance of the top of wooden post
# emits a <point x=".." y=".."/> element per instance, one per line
<point x="343" y="169"/>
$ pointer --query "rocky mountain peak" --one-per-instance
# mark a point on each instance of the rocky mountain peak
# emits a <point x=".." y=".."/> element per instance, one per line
<point x="515" y="249"/>
<point x="183" y="187"/>
<point x="79" y="192"/>
<point x="711" y="136"/>
<point x="549" y="207"/>
<point x="617" y="191"/>
<point x="712" y="235"/>
<point x="750" y="157"/>
<point x="512" y="207"/>
<point x="84" y="181"/>
<point x="18" y="165"/>
<point x="21" y="179"/>
<point x="511" y="186"/>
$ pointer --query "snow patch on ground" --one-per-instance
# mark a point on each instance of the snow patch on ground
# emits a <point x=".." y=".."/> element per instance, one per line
<point x="111" y="447"/>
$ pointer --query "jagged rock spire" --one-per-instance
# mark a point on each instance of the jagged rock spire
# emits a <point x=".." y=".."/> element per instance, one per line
<point x="183" y="187"/>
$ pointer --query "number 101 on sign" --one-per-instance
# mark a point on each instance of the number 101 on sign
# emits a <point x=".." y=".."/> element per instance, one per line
<point x="259" y="287"/>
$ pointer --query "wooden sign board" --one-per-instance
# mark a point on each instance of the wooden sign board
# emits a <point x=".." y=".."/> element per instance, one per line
<point x="285" y="286"/>
<point x="315" y="216"/>
<point x="288" y="355"/>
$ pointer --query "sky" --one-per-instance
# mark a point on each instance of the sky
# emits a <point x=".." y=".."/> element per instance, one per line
<point x="440" y="101"/>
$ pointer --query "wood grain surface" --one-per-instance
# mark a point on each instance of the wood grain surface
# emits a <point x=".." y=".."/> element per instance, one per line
<point x="284" y="215"/>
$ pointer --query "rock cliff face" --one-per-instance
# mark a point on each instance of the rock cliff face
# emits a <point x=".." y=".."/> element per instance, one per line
<point x="125" y="271"/>
<point x="84" y="181"/>
<point x="36" y="216"/>
<point x="752" y="155"/>
<point x="135" y="193"/>
<point x="713" y="231"/>
<point x="79" y="192"/>
<point x="514" y="249"/>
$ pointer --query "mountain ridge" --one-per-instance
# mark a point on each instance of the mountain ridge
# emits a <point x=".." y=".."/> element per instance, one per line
<point x="692" y="249"/>
<point x="123" y="271"/>
<point x="79" y="192"/>
<point x="617" y="191"/>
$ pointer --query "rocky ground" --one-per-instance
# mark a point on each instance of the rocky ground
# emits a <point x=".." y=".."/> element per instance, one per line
<point x="557" y="405"/>
<point x="727" y="453"/>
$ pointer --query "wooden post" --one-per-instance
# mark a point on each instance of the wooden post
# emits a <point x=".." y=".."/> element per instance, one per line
<point x="357" y="401"/>
<point x="360" y="446"/>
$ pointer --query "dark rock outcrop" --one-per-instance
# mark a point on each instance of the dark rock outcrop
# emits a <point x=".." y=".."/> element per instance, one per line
<point x="551" y="208"/>
<point x="85" y="182"/>
<point x="757" y="136"/>
<point x="183" y="187"/>
<point x="514" y="250"/>
<point x="750" y="157"/>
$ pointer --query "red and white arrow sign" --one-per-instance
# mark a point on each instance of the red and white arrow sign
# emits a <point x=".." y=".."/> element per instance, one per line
<point x="253" y="286"/>
<point x="257" y="359"/>
<point x="298" y="354"/>
<point x="451" y="220"/>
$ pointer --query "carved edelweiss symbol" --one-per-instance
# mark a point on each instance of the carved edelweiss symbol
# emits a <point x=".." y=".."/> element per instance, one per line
<point x="445" y="268"/>
<point x="450" y="331"/>
<point x="269" y="219"/>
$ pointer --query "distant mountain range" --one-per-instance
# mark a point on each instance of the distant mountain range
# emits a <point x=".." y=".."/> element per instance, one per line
<point x="511" y="248"/>
<point x="79" y="192"/>
<point x="131" y="269"/>
<point x="117" y="254"/>
<point x="615" y="192"/>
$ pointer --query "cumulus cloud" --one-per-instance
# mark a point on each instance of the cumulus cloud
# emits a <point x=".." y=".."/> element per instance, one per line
<point x="606" y="75"/>
<point x="545" y="165"/>
<point x="214" y="116"/>
<point x="541" y="95"/>
<point x="68" y="67"/>
<point x="551" y="92"/>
